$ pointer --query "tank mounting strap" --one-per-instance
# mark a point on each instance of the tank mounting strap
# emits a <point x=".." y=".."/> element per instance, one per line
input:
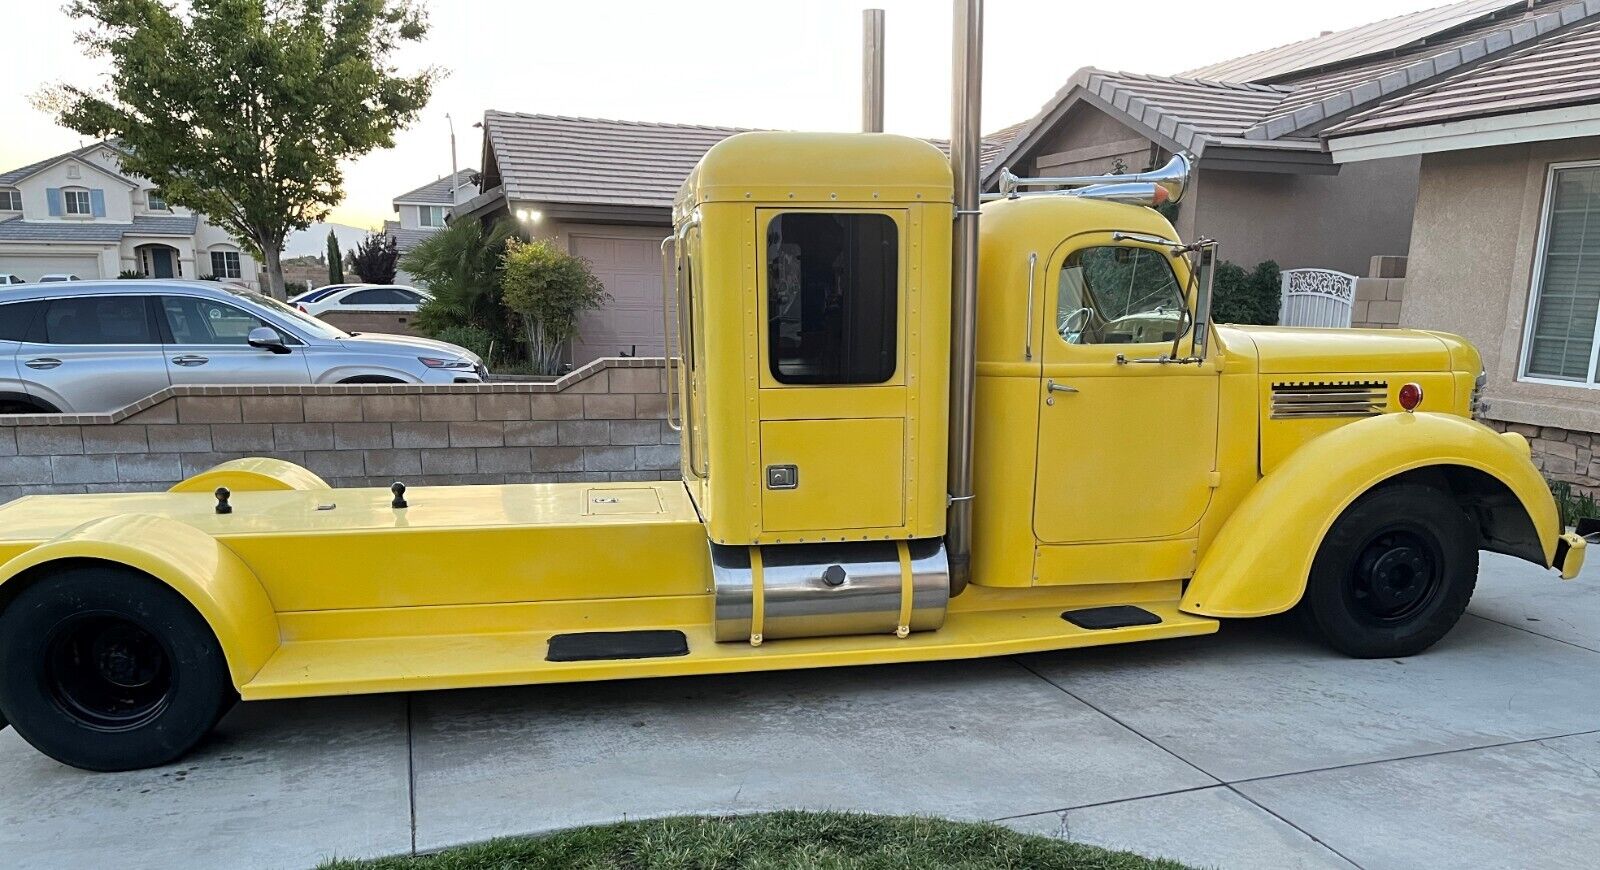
<point x="758" y="597"/>
<point x="907" y="590"/>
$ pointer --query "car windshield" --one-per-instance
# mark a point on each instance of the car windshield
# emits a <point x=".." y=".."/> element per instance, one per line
<point x="317" y="328"/>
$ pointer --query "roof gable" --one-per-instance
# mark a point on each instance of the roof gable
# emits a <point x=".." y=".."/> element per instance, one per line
<point x="1189" y="114"/>
<point x="437" y="192"/>
<point x="20" y="174"/>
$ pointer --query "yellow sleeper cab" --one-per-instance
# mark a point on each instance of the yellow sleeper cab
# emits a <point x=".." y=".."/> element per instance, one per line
<point x="883" y="460"/>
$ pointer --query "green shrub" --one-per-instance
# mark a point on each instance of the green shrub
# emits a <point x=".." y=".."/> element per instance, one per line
<point x="1253" y="297"/>
<point x="1572" y="505"/>
<point x="473" y="338"/>
<point x="460" y="265"/>
<point x="548" y="288"/>
<point x="128" y="273"/>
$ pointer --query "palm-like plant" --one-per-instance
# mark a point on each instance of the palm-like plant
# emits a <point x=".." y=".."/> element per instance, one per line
<point x="461" y="266"/>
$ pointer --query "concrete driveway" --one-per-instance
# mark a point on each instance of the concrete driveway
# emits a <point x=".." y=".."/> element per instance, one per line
<point x="1252" y="748"/>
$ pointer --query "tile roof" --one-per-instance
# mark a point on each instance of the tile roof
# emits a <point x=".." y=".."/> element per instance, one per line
<point x="1288" y="112"/>
<point x="1346" y="45"/>
<point x="18" y="230"/>
<point x="439" y="192"/>
<point x="1561" y="71"/>
<point x="559" y="159"/>
<point x="405" y="240"/>
<point x="553" y="158"/>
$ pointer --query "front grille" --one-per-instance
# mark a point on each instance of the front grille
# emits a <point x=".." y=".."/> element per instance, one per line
<point x="1329" y="399"/>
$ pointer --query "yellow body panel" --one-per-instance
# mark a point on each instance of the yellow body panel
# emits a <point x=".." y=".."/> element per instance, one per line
<point x="218" y="583"/>
<point x="1259" y="563"/>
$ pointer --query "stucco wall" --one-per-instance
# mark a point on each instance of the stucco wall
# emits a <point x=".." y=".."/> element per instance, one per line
<point x="1307" y="221"/>
<point x="1470" y="272"/>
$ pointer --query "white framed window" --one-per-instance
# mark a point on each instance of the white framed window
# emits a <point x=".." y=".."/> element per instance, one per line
<point x="156" y="202"/>
<point x="10" y="200"/>
<point x="77" y="202"/>
<point x="1562" y="336"/>
<point x="225" y="264"/>
<point x="430" y="215"/>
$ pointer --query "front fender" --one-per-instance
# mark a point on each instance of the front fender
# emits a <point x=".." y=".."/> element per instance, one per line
<point x="1259" y="562"/>
<point x="213" y="579"/>
<point x="252" y="474"/>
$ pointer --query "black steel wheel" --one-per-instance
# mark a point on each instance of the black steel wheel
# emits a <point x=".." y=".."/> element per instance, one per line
<point x="109" y="669"/>
<point x="1394" y="573"/>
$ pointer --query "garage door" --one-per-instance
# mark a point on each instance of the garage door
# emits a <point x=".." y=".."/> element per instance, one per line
<point x="31" y="266"/>
<point x="631" y="322"/>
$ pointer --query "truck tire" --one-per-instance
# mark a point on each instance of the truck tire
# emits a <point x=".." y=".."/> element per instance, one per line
<point x="108" y="669"/>
<point x="1394" y="573"/>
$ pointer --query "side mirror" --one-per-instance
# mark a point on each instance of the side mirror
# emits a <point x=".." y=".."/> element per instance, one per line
<point x="1205" y="265"/>
<point x="267" y="338"/>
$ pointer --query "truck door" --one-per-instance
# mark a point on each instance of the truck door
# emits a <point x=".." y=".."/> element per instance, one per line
<point x="1127" y="445"/>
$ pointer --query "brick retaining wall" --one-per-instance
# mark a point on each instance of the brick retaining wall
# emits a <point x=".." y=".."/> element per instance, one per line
<point x="605" y="421"/>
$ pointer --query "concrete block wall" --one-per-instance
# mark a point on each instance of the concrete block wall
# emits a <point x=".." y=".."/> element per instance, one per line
<point x="1378" y="296"/>
<point x="603" y="422"/>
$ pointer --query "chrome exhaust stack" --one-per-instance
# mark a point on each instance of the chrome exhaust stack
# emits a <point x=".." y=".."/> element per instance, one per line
<point x="872" y="70"/>
<point x="966" y="140"/>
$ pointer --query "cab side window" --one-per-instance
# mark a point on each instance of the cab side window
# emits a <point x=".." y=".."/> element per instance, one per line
<point x="832" y="297"/>
<point x="1118" y="295"/>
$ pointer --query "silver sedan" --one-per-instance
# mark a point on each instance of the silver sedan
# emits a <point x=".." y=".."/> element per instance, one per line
<point x="95" y="346"/>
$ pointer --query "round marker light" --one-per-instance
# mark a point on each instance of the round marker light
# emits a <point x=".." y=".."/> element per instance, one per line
<point x="1411" y="396"/>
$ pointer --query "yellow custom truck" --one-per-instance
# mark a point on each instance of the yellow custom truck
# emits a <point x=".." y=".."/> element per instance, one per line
<point x="899" y="443"/>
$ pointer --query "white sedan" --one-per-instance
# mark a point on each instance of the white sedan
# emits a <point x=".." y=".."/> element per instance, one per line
<point x="365" y="299"/>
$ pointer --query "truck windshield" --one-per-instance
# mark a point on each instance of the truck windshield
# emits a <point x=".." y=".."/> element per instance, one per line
<point x="1118" y="295"/>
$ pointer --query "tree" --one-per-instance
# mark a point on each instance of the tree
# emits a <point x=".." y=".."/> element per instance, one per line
<point x="377" y="258"/>
<point x="335" y="260"/>
<point x="548" y="288"/>
<point x="460" y="265"/>
<point x="244" y="110"/>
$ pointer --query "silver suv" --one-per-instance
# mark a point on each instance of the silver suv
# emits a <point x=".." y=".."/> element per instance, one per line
<point x="90" y="347"/>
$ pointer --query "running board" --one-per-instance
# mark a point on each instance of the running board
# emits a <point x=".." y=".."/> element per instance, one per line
<point x="359" y="665"/>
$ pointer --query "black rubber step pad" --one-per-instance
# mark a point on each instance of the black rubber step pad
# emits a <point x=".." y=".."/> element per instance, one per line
<point x="589" y="646"/>
<point x="1119" y="616"/>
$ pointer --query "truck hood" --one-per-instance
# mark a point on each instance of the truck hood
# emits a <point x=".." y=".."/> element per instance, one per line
<point x="1300" y="350"/>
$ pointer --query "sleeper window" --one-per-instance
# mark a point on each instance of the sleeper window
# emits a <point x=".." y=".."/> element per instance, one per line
<point x="832" y="297"/>
<point x="1118" y="295"/>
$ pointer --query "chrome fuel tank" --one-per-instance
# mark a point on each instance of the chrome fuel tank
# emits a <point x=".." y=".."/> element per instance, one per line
<point x="823" y="590"/>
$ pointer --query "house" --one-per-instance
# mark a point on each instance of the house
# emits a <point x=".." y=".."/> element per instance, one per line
<point x="1505" y="242"/>
<point x="79" y="213"/>
<point x="426" y="210"/>
<point x="1265" y="182"/>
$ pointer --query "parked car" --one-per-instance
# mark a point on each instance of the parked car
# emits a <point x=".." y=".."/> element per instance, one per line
<point x="367" y="298"/>
<point x="57" y="277"/>
<point x="7" y="279"/>
<point x="319" y="292"/>
<point x="96" y="346"/>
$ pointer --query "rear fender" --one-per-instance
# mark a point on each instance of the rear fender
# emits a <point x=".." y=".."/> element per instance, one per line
<point x="220" y="586"/>
<point x="1259" y="561"/>
<point x="252" y="474"/>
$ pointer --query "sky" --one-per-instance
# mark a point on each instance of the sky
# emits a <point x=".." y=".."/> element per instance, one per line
<point x="746" y="63"/>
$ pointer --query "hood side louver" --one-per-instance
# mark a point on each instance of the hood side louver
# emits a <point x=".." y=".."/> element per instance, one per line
<point x="1298" y="399"/>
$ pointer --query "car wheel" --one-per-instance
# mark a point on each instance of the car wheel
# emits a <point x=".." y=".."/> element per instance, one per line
<point x="26" y="406"/>
<point x="1394" y="573"/>
<point x="108" y="669"/>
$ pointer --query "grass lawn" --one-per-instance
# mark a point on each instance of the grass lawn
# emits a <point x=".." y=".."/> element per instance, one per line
<point x="776" y="840"/>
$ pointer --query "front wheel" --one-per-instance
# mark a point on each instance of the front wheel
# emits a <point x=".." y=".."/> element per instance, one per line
<point x="1394" y="573"/>
<point x="108" y="669"/>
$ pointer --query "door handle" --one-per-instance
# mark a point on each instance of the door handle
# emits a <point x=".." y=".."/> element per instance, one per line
<point x="1060" y="388"/>
<point x="190" y="360"/>
<point x="43" y="363"/>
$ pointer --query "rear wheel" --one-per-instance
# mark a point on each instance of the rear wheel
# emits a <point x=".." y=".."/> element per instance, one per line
<point x="1394" y="573"/>
<point x="108" y="669"/>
